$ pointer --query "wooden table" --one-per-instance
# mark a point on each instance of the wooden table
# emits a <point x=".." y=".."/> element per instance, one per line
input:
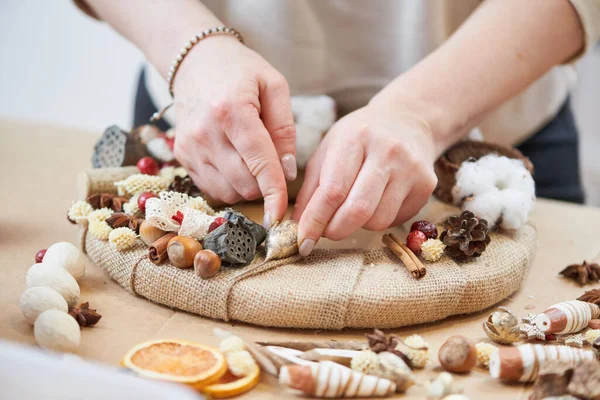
<point x="39" y="168"/>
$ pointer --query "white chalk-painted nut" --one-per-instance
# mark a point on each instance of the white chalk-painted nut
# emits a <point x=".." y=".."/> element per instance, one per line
<point x="67" y="256"/>
<point x="58" y="331"/>
<point x="36" y="300"/>
<point x="55" y="277"/>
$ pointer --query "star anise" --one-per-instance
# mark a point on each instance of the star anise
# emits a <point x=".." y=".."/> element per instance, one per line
<point x="107" y="200"/>
<point x="591" y="296"/>
<point x="582" y="273"/>
<point x="84" y="315"/>
<point x="120" y="220"/>
<point x="378" y="343"/>
<point x="184" y="185"/>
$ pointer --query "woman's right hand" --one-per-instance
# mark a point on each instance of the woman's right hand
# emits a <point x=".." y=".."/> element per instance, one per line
<point x="234" y="125"/>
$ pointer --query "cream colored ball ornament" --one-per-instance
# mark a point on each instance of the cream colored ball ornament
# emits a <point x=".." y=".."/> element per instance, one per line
<point x="67" y="256"/>
<point x="55" y="277"/>
<point x="56" y="330"/>
<point x="36" y="300"/>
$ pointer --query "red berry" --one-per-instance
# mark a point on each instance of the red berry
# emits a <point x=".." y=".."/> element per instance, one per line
<point x="148" y="166"/>
<point x="142" y="200"/>
<point x="426" y="227"/>
<point x="178" y="217"/>
<point x="414" y="241"/>
<point x="170" y="143"/>
<point x="39" y="257"/>
<point x="216" y="223"/>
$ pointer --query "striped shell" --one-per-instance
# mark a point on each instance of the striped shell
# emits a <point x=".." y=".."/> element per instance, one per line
<point x="523" y="363"/>
<point x="327" y="379"/>
<point x="567" y="317"/>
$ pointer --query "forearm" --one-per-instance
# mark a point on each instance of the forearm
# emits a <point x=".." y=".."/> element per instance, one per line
<point x="501" y="49"/>
<point x="158" y="28"/>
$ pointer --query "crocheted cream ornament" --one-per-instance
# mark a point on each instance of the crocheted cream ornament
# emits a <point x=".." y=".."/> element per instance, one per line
<point x="195" y="224"/>
<point x="99" y="215"/>
<point x="591" y="335"/>
<point x="100" y="230"/>
<point x="131" y="207"/>
<point x="79" y="211"/>
<point x="231" y="344"/>
<point x="484" y="352"/>
<point x="240" y="363"/>
<point x="432" y="249"/>
<point x="198" y="203"/>
<point x="365" y="361"/>
<point x="159" y="211"/>
<point x="122" y="238"/>
<point x="140" y="183"/>
<point x="417" y="351"/>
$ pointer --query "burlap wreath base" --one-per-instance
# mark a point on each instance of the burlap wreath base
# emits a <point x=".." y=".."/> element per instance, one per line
<point x="330" y="289"/>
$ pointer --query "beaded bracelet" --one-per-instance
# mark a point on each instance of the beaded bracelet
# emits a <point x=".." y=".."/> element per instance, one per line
<point x="192" y="42"/>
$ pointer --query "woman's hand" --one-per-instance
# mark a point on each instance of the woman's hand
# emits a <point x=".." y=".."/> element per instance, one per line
<point x="374" y="169"/>
<point x="235" y="128"/>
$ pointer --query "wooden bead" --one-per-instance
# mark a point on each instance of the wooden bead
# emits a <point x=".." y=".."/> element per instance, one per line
<point x="182" y="250"/>
<point x="567" y="317"/>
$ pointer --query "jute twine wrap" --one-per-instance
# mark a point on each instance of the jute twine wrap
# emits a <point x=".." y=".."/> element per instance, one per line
<point x="330" y="289"/>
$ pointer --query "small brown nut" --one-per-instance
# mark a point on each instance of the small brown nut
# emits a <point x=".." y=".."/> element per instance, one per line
<point x="458" y="354"/>
<point x="182" y="250"/>
<point x="149" y="233"/>
<point x="206" y="263"/>
<point x="594" y="324"/>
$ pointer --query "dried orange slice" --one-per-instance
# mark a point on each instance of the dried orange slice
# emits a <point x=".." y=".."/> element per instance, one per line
<point x="230" y="385"/>
<point x="177" y="361"/>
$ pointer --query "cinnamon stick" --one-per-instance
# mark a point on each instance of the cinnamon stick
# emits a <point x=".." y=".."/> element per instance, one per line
<point x="324" y="344"/>
<point x="413" y="256"/>
<point x="157" y="252"/>
<point x="402" y="255"/>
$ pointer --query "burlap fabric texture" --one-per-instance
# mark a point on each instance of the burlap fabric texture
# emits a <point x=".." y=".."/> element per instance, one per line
<point x="330" y="289"/>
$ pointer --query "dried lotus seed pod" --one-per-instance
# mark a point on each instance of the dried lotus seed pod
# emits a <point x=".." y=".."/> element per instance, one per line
<point x="282" y="240"/>
<point x="257" y="231"/>
<point x="233" y="243"/>
<point x="502" y="326"/>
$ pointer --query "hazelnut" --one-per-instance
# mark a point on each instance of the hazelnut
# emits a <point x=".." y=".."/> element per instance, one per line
<point x="181" y="251"/>
<point x="458" y="354"/>
<point x="150" y="234"/>
<point x="206" y="263"/>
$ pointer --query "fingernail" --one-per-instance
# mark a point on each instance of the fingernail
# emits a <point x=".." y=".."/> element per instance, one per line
<point x="267" y="220"/>
<point x="306" y="247"/>
<point x="290" y="169"/>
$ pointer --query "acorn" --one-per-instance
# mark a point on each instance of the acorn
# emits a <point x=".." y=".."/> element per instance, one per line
<point x="206" y="263"/>
<point x="150" y="233"/>
<point x="182" y="250"/>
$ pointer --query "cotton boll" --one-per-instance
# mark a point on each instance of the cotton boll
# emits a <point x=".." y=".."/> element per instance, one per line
<point x="317" y="112"/>
<point x="471" y="180"/>
<point x="307" y="141"/>
<point x="517" y="206"/>
<point x="55" y="277"/>
<point x="488" y="205"/>
<point x="36" y="300"/>
<point x="56" y="330"/>
<point x="67" y="256"/>
<point x="160" y="150"/>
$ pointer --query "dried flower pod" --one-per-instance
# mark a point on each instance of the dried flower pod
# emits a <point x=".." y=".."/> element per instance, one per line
<point x="522" y="363"/>
<point x="182" y="250"/>
<point x="567" y="317"/>
<point x="206" y="263"/>
<point x="484" y="352"/>
<point x="84" y="315"/>
<point x="122" y="238"/>
<point x="458" y="354"/>
<point x="232" y="242"/>
<point x="237" y="218"/>
<point x="282" y="240"/>
<point x="416" y="350"/>
<point x="149" y="233"/>
<point x="79" y="211"/>
<point x="327" y="379"/>
<point x="117" y="148"/>
<point x="502" y="326"/>
<point x="365" y="361"/>
<point x="582" y="273"/>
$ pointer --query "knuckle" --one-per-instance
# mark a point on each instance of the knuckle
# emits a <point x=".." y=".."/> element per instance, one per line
<point x="334" y="234"/>
<point x="286" y="132"/>
<point x="250" y="193"/>
<point x="278" y="81"/>
<point x="229" y="197"/>
<point x="333" y="194"/>
<point x="221" y="110"/>
<point x="360" y="211"/>
<point x="377" y="224"/>
<point x="257" y="165"/>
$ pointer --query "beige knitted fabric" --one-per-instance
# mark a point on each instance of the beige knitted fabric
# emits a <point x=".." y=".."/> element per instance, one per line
<point x="330" y="289"/>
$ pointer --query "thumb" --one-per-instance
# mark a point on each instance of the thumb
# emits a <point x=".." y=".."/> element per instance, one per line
<point x="276" y="114"/>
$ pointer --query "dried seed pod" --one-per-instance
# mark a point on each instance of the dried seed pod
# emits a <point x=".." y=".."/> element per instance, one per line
<point x="567" y="317"/>
<point x="502" y="326"/>
<point x="522" y="363"/>
<point x="237" y="218"/>
<point x="327" y="379"/>
<point x="458" y="354"/>
<point x="232" y="242"/>
<point x="182" y="250"/>
<point x="206" y="263"/>
<point x="282" y="240"/>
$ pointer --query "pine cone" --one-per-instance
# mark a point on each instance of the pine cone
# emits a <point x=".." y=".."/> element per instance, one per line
<point x="465" y="237"/>
<point x="591" y="296"/>
<point x="582" y="273"/>
<point x="184" y="185"/>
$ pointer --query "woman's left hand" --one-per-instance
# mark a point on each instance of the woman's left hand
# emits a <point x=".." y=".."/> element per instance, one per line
<point x="374" y="169"/>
